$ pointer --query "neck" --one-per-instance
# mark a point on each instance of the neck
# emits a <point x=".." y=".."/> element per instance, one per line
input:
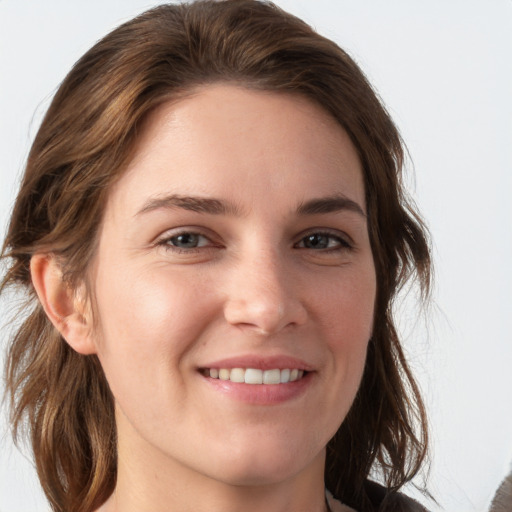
<point x="164" y="485"/>
<point x="137" y="496"/>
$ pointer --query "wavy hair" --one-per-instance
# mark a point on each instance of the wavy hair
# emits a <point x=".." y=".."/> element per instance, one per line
<point x="83" y="146"/>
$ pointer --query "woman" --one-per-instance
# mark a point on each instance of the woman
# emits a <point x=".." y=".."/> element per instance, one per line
<point x="210" y="231"/>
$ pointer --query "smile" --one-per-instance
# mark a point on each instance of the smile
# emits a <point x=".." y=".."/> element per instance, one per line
<point x="255" y="375"/>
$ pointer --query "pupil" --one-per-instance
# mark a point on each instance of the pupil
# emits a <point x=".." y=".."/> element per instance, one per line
<point x="316" y="241"/>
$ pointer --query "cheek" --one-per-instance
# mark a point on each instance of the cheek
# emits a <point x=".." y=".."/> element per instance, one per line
<point x="347" y="307"/>
<point x="148" y="303"/>
<point x="347" y="322"/>
<point x="147" y="324"/>
<point x="344" y="311"/>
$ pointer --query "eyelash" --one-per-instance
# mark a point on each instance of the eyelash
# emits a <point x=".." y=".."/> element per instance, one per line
<point x="167" y="242"/>
<point x="341" y="243"/>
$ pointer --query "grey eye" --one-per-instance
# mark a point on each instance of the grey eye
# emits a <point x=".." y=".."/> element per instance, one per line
<point x="187" y="240"/>
<point x="323" y="241"/>
<point x="317" y="241"/>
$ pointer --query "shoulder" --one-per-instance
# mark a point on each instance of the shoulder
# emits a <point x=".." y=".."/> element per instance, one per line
<point x="382" y="499"/>
<point x="335" y="505"/>
<point x="502" y="501"/>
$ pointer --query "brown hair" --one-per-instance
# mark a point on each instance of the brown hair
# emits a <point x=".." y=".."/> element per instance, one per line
<point x="83" y="145"/>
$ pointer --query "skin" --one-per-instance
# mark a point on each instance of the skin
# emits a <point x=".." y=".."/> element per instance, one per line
<point x="264" y="280"/>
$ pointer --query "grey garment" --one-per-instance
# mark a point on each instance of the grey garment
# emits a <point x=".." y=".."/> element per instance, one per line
<point x="382" y="499"/>
<point x="502" y="501"/>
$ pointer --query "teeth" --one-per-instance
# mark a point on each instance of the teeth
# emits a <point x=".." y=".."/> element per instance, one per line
<point x="255" y="375"/>
<point x="237" y="375"/>
<point x="223" y="374"/>
<point x="272" y="377"/>
<point x="252" y="376"/>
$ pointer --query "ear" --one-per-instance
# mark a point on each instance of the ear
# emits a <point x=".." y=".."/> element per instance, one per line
<point x="67" y="310"/>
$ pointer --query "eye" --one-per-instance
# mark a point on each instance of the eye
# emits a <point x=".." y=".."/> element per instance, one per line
<point x="322" y="241"/>
<point x="186" y="240"/>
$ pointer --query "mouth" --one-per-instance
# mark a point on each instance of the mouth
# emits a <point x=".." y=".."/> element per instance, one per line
<point x="255" y="376"/>
<point x="259" y="380"/>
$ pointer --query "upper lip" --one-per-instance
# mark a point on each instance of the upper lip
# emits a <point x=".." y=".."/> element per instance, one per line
<point x="261" y="363"/>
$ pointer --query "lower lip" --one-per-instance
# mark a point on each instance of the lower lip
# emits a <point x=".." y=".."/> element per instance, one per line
<point x="261" y="394"/>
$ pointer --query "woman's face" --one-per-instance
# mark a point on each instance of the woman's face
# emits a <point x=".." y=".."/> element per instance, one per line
<point x="237" y="239"/>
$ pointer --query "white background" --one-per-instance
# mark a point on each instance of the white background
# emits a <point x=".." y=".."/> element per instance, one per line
<point x="444" y="69"/>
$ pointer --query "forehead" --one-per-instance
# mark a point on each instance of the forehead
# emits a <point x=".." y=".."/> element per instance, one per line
<point x="246" y="144"/>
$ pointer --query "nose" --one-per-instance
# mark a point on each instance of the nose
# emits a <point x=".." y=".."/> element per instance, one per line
<point x="263" y="294"/>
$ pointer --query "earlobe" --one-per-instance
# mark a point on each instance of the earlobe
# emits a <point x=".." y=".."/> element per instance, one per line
<point x="65" y="309"/>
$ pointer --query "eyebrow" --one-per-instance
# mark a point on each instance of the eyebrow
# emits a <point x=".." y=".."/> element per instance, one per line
<point x="212" y="206"/>
<point x="331" y="204"/>
<point x="208" y="205"/>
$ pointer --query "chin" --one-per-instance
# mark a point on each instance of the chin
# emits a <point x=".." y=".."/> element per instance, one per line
<point x="262" y="467"/>
<point x="258" y="476"/>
